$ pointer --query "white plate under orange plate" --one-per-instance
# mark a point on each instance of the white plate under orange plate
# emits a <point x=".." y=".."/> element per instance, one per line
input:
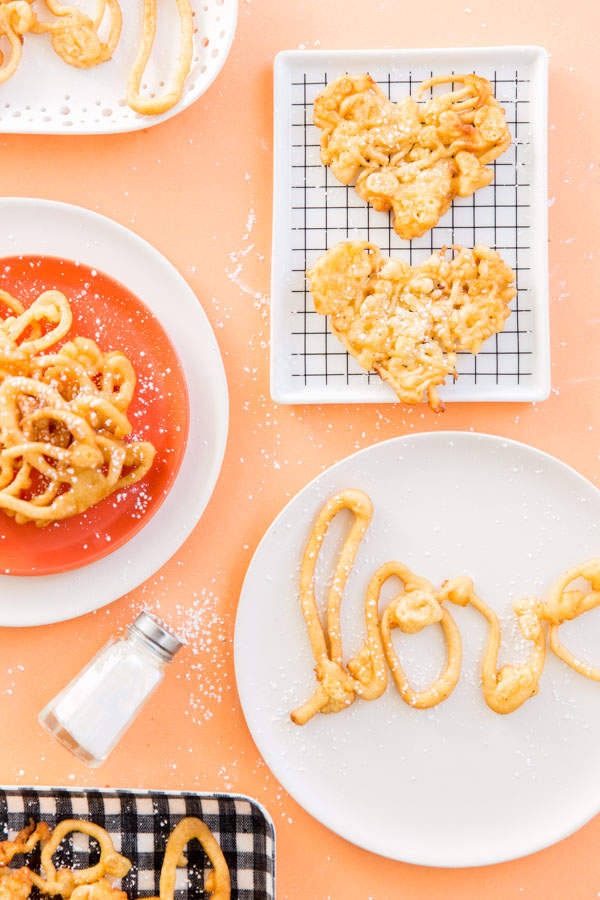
<point x="57" y="229"/>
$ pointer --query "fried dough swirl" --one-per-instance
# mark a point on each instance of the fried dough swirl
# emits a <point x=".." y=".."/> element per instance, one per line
<point x="94" y="882"/>
<point x="63" y="416"/>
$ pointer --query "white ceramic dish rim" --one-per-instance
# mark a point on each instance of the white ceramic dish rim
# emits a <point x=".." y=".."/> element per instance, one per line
<point x="70" y="594"/>
<point x="314" y="808"/>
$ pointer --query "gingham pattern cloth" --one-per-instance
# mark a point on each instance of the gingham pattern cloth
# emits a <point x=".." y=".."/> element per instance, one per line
<point x="140" y="823"/>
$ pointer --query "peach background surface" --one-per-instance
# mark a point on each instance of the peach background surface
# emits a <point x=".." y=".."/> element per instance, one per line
<point x="199" y="188"/>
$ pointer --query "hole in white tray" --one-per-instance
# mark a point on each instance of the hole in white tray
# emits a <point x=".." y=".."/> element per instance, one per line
<point x="65" y="110"/>
<point x="107" y="112"/>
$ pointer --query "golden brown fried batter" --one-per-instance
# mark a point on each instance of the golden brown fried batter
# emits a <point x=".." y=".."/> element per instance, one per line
<point x="338" y="682"/>
<point x="24" y="842"/>
<point x="151" y="106"/>
<point x="564" y="604"/>
<point x="75" y="36"/>
<point x="92" y="883"/>
<point x="16" y="19"/>
<point x="411" y="158"/>
<point x="218" y="881"/>
<point x="99" y="890"/>
<point x="63" y="416"/>
<point x="509" y="687"/>
<point x="408" y="322"/>
<point x="15" y="884"/>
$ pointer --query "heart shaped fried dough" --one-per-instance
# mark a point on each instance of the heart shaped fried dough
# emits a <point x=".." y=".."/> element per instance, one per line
<point x="408" y="157"/>
<point x="408" y="322"/>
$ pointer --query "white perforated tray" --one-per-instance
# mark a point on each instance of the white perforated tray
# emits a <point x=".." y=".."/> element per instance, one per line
<point x="312" y="212"/>
<point x="47" y="96"/>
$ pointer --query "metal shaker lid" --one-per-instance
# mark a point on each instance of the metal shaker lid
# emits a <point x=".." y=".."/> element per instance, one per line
<point x="149" y="627"/>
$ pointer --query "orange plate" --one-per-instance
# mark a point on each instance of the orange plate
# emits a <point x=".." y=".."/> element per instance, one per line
<point x="103" y="309"/>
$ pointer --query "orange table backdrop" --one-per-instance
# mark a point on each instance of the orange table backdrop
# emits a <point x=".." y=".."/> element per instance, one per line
<point x="199" y="189"/>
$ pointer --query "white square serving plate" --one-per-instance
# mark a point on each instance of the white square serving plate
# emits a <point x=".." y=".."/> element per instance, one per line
<point x="312" y="212"/>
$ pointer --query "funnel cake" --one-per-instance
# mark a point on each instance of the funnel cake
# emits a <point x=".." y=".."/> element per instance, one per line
<point x="408" y="157"/>
<point x="63" y="416"/>
<point x="94" y="882"/>
<point x="408" y="322"/>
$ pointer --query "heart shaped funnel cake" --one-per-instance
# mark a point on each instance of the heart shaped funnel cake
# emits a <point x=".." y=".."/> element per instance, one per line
<point x="411" y="158"/>
<point x="408" y="322"/>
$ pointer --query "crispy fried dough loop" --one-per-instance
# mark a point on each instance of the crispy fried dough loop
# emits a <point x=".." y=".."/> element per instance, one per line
<point x="156" y="105"/>
<point x="364" y="676"/>
<point x="65" y="881"/>
<point x="217" y="883"/>
<point x="94" y="882"/>
<point x="16" y="19"/>
<point x="63" y="416"/>
<point x="507" y="688"/>
<point x="565" y="604"/>
<point x="416" y="607"/>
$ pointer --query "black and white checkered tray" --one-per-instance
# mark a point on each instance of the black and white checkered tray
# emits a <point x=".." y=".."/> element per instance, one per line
<point x="140" y="823"/>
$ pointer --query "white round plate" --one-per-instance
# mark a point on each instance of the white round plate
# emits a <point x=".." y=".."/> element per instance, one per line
<point x="57" y="229"/>
<point x="47" y="96"/>
<point x="457" y="785"/>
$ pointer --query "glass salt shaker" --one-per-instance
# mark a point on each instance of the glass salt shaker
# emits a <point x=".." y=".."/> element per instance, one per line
<point x="92" y="713"/>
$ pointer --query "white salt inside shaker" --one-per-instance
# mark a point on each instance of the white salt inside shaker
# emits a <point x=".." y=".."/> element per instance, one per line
<point x="92" y="713"/>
